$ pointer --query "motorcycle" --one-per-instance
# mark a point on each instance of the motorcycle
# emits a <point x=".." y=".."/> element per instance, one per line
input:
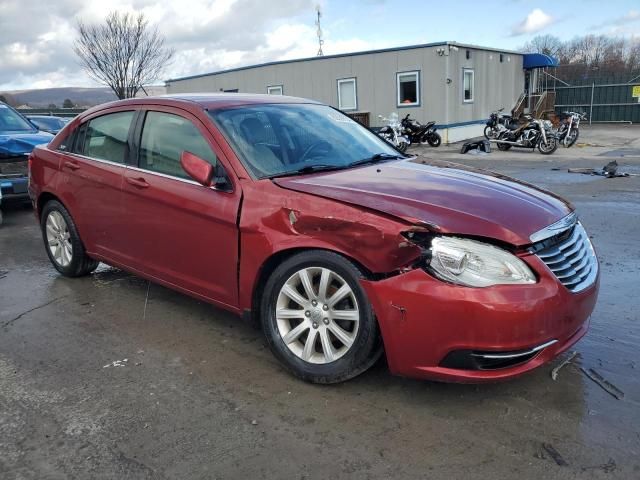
<point x="419" y="133"/>
<point x="531" y="134"/>
<point x="497" y="122"/>
<point x="392" y="132"/>
<point x="569" y="131"/>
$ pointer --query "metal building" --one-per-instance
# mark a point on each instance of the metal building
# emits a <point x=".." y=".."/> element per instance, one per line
<point x="454" y="84"/>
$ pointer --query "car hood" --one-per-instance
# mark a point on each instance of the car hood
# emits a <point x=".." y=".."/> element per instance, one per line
<point x="447" y="197"/>
<point x="21" y="143"/>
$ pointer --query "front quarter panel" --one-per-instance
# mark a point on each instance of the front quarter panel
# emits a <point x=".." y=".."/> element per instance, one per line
<point x="275" y="219"/>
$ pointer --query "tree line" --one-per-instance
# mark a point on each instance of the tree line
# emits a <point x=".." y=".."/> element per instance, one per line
<point x="590" y="52"/>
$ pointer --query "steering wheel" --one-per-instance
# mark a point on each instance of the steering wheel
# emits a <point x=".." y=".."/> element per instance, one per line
<point x="314" y="146"/>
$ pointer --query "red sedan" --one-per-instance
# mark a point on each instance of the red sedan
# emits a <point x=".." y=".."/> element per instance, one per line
<point x="288" y="211"/>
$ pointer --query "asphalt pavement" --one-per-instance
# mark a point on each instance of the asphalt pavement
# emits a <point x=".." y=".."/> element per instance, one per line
<point x="111" y="377"/>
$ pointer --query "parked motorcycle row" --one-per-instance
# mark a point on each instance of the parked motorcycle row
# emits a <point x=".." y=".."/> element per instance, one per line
<point x="502" y="129"/>
<point x="409" y="131"/>
<point x="529" y="132"/>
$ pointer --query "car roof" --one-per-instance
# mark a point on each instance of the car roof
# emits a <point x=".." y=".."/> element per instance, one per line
<point x="208" y="101"/>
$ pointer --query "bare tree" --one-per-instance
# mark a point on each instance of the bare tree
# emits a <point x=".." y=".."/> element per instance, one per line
<point x="547" y="44"/>
<point x="123" y="53"/>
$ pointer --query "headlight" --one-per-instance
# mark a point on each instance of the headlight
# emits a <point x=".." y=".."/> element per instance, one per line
<point x="547" y="124"/>
<point x="476" y="264"/>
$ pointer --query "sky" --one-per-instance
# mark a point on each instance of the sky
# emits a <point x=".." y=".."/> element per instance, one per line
<point x="36" y="37"/>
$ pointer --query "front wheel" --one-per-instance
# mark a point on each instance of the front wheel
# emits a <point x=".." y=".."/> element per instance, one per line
<point x="317" y="319"/>
<point x="62" y="242"/>
<point x="402" y="146"/>
<point x="489" y="133"/>
<point x="573" y="137"/>
<point x="434" y="139"/>
<point x="548" y="147"/>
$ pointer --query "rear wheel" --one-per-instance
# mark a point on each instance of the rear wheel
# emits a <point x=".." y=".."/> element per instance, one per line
<point x="317" y="319"/>
<point x="434" y="139"/>
<point x="64" y="247"/>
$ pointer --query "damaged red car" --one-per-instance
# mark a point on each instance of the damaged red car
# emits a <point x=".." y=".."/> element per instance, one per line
<point x="345" y="250"/>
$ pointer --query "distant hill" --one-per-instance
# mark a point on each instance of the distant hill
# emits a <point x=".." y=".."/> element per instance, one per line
<point x="83" y="97"/>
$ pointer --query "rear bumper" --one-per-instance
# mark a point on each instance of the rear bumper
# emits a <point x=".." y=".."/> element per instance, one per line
<point x="424" y="322"/>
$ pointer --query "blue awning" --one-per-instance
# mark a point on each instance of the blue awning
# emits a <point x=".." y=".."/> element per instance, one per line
<point x="538" y="60"/>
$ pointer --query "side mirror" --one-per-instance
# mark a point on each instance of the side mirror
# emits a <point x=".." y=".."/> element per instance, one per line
<point x="197" y="168"/>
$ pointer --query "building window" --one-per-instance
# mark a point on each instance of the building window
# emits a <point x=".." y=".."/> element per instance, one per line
<point x="467" y="81"/>
<point x="408" y="88"/>
<point x="347" y="94"/>
<point x="275" y="90"/>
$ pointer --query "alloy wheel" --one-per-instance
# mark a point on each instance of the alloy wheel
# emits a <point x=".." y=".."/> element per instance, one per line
<point x="317" y="315"/>
<point x="59" y="238"/>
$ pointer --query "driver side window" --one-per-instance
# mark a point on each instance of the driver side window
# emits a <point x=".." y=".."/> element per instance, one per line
<point x="164" y="137"/>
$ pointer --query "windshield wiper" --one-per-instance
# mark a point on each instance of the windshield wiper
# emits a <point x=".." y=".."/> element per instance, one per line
<point x="378" y="157"/>
<point x="309" y="169"/>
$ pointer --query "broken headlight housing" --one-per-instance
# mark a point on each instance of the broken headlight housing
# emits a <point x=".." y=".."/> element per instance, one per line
<point x="476" y="264"/>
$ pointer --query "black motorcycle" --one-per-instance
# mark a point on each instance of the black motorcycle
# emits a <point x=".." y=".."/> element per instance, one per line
<point x="569" y="128"/>
<point x="419" y="133"/>
<point x="530" y="134"/>
<point x="497" y="122"/>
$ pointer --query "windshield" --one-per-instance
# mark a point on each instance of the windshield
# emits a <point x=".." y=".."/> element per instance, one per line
<point x="11" y="121"/>
<point x="48" y="123"/>
<point x="273" y="140"/>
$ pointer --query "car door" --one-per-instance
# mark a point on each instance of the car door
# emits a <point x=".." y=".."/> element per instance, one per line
<point x="92" y="171"/>
<point x="179" y="231"/>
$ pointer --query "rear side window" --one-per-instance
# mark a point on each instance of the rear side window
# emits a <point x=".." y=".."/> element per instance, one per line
<point x="164" y="137"/>
<point x="106" y="137"/>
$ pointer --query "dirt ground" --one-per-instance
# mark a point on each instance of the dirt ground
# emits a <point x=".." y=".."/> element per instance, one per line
<point x="109" y="377"/>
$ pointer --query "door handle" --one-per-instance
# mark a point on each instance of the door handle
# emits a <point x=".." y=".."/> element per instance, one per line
<point x="138" y="182"/>
<point x="73" y="166"/>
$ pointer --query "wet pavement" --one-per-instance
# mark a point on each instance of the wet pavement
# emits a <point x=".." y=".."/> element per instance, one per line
<point x="109" y="376"/>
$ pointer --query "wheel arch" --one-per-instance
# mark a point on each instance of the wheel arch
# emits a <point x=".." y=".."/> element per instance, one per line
<point x="44" y="198"/>
<point x="276" y="258"/>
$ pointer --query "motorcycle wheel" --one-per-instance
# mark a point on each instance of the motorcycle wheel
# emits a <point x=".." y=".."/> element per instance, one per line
<point x="489" y="133"/>
<point x="403" y="146"/>
<point x="434" y="140"/>
<point x="549" y="147"/>
<point x="573" y="138"/>
<point x="504" y="147"/>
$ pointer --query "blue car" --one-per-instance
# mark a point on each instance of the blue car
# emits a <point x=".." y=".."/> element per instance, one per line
<point x="18" y="136"/>
<point x="48" y="123"/>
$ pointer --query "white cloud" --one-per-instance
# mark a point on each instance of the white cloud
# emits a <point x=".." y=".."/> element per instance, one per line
<point x="620" y="26"/>
<point x="207" y="35"/>
<point x="534" y="22"/>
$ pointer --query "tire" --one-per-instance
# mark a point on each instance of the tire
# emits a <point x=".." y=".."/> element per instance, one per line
<point x="403" y="146"/>
<point x="358" y="344"/>
<point x="434" y="139"/>
<point x="62" y="242"/>
<point x="550" y="147"/>
<point x="573" y="138"/>
<point x="489" y="133"/>
<point x="504" y="146"/>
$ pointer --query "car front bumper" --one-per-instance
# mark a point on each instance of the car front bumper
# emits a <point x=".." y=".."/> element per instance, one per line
<point x="14" y="189"/>
<point x="436" y="330"/>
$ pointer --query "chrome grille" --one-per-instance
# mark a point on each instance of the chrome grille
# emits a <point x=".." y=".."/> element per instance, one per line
<point x="571" y="259"/>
